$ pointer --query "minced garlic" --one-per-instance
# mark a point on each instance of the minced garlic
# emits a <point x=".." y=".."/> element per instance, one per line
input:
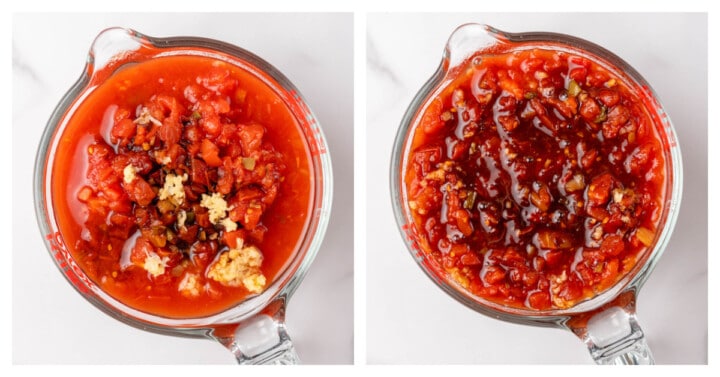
<point x="189" y="286"/>
<point x="228" y="224"/>
<point x="155" y="265"/>
<point x="161" y="157"/>
<point x="617" y="195"/>
<point x="146" y="118"/>
<point x="129" y="174"/>
<point x="216" y="205"/>
<point x="173" y="189"/>
<point x="239" y="267"/>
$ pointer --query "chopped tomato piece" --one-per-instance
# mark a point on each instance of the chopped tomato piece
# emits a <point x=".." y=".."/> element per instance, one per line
<point x="210" y="153"/>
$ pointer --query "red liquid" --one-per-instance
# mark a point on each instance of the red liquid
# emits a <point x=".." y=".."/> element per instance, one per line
<point x="535" y="179"/>
<point x="220" y="125"/>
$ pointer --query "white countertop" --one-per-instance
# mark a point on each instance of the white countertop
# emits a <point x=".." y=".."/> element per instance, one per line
<point x="53" y="324"/>
<point x="409" y="319"/>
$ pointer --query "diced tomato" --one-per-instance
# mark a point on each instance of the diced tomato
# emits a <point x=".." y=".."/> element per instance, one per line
<point x="470" y="259"/>
<point x="139" y="252"/>
<point x="571" y="290"/>
<point x="123" y="130"/>
<point x="639" y="158"/>
<point x="221" y="105"/>
<point x="211" y="124"/>
<point x="251" y="217"/>
<point x="231" y="239"/>
<point x="552" y="63"/>
<point x="598" y="191"/>
<point x="541" y="197"/>
<point x="198" y="172"/>
<point x="616" y="118"/>
<point x="597" y="78"/>
<point x="509" y="85"/>
<point x="608" y="97"/>
<point x="192" y="134"/>
<point x="188" y="233"/>
<point x="539" y="300"/>
<point x="85" y="193"/>
<point x="203" y="252"/>
<point x="203" y="219"/>
<point x="612" y="245"/>
<point x="553" y="258"/>
<point x="250" y="138"/>
<point x="169" y="132"/>
<point x="210" y="153"/>
<point x="531" y="65"/>
<point x="140" y="191"/>
<point x="567" y="108"/>
<point x="141" y="162"/>
<point x="257" y="235"/>
<point x="227" y="134"/>
<point x="530" y="278"/>
<point x="494" y="275"/>
<point x="610" y="272"/>
<point x="428" y="198"/>
<point x="226" y="178"/>
<point x="426" y="159"/>
<point x="462" y="220"/>
<point x="590" y="110"/>
<point x="431" y="121"/>
<point x="578" y="74"/>
<point x="552" y="239"/>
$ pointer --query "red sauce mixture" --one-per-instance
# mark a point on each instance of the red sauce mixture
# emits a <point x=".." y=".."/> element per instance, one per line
<point x="535" y="179"/>
<point x="182" y="185"/>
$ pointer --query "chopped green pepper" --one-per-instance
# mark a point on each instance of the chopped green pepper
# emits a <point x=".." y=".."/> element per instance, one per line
<point x="603" y="115"/>
<point x="573" y="88"/>
<point x="470" y="200"/>
<point x="248" y="163"/>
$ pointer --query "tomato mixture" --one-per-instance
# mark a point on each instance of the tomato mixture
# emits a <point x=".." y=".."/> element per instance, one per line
<point x="182" y="185"/>
<point x="535" y="178"/>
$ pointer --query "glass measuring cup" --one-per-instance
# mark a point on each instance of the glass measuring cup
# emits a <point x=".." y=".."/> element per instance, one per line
<point x="607" y="322"/>
<point x="254" y="329"/>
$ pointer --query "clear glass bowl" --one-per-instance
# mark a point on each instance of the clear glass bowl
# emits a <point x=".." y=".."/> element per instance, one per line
<point x="253" y="330"/>
<point x="607" y="322"/>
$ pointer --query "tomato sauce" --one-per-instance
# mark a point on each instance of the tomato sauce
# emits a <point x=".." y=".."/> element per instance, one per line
<point x="535" y="178"/>
<point x="182" y="185"/>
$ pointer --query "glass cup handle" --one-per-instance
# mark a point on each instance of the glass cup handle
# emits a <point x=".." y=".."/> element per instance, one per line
<point x="614" y="337"/>
<point x="261" y="339"/>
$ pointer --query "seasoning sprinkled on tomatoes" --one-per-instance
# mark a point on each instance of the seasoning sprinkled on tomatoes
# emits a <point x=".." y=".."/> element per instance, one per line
<point x="189" y="185"/>
<point x="535" y="178"/>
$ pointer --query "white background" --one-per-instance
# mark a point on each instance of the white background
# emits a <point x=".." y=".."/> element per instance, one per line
<point x="53" y="324"/>
<point x="677" y="326"/>
<point x="409" y="319"/>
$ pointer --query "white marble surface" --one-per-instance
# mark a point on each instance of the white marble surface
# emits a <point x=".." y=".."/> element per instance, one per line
<point x="409" y="319"/>
<point x="51" y="323"/>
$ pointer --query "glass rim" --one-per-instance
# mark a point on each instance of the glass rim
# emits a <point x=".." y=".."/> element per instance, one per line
<point x="287" y="280"/>
<point x="484" y="36"/>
